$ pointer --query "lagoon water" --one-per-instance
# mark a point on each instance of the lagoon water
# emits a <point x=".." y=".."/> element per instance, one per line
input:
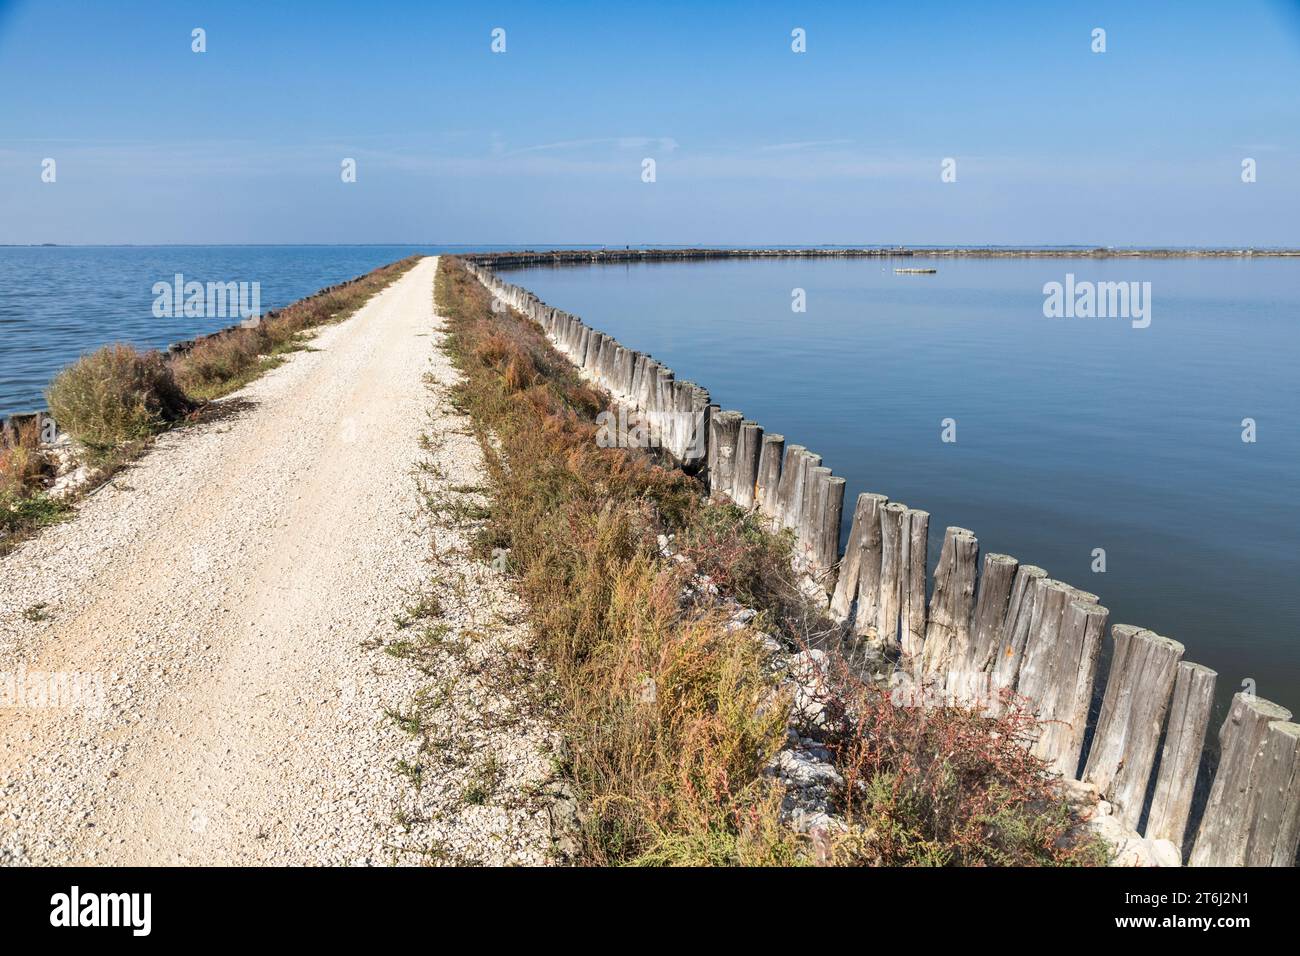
<point x="1072" y="434"/>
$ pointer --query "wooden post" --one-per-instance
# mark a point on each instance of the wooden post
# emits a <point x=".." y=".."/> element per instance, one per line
<point x="673" y="430"/>
<point x="605" y="363"/>
<point x="1275" y="829"/>
<point x="769" y="475"/>
<point x="868" y="612"/>
<point x="695" y="432"/>
<point x="891" y="553"/>
<point x="914" y="542"/>
<point x="1037" y="670"/>
<point x="1223" y="837"/>
<point x="812" y="514"/>
<point x="1072" y="672"/>
<point x="724" y="435"/>
<point x="846" y="584"/>
<point x="808" y="519"/>
<point x="645" y="388"/>
<point x="749" y="447"/>
<point x="803" y="463"/>
<point x="828" y="542"/>
<point x="1189" y="715"/>
<point x="801" y="505"/>
<point x="785" y="489"/>
<point x="627" y="373"/>
<point x="1133" y="710"/>
<point x="591" y="360"/>
<point x="580" y="342"/>
<point x="986" y="627"/>
<point x="661" y="400"/>
<point x="947" y="631"/>
<point x="609" y="366"/>
<point x="1015" y="629"/>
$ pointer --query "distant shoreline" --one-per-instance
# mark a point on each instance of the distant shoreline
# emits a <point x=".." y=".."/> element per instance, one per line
<point x="654" y="254"/>
<point x="605" y="251"/>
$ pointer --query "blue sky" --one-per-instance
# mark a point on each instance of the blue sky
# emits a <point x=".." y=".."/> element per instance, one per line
<point x="754" y="144"/>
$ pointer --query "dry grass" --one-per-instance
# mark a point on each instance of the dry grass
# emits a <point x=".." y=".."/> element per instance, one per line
<point x="670" y="716"/>
<point x="24" y="469"/>
<point x="22" y="463"/>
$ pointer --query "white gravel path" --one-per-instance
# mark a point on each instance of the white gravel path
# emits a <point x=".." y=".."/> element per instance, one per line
<point x="233" y="593"/>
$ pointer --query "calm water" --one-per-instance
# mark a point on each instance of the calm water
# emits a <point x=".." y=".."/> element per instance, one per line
<point x="57" y="302"/>
<point x="1072" y="434"/>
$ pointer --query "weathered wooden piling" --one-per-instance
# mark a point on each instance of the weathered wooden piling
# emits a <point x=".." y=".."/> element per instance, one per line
<point x="1071" y="670"/>
<point x="1226" y="824"/>
<point x="947" y="630"/>
<point x="1133" y="711"/>
<point x="869" y="567"/>
<point x="1275" y="825"/>
<point x="769" y="475"/>
<point x="724" y="435"/>
<point x="846" y="584"/>
<point x="813" y="514"/>
<point x="914" y="542"/>
<point x="1037" y="668"/>
<point x="1015" y="629"/>
<point x="800" y="463"/>
<point x="785" y="493"/>
<point x="803" y="494"/>
<point x="1189" y="716"/>
<point x="748" y="449"/>
<point x="694" y="418"/>
<point x="990" y="613"/>
<point x="891" y="574"/>
<point x="830" y="511"/>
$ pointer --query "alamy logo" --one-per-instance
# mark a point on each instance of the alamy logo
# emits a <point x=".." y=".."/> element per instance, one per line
<point x="103" y="909"/>
<point x="633" y="429"/>
<point x="215" y="300"/>
<point x="1100" y="300"/>
<point x="73" y="691"/>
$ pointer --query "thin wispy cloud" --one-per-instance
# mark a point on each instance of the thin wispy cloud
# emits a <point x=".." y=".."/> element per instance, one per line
<point x="661" y="144"/>
<point x="809" y="144"/>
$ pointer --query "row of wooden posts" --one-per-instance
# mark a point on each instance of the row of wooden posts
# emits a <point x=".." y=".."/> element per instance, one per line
<point x="979" y="632"/>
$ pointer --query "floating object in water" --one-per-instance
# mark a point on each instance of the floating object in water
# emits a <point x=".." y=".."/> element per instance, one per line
<point x="915" y="272"/>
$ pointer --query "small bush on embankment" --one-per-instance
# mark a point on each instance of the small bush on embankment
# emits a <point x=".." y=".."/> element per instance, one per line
<point x="115" y="396"/>
<point x="945" y="786"/>
<point x="670" y="714"/>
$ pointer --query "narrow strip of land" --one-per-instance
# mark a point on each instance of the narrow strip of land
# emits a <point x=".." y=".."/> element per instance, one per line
<point x="232" y="594"/>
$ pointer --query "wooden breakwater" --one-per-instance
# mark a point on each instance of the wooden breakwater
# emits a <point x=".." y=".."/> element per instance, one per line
<point x="973" y="631"/>
<point x="535" y="257"/>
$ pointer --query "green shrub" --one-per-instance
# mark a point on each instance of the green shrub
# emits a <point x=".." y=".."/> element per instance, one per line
<point x="116" y="395"/>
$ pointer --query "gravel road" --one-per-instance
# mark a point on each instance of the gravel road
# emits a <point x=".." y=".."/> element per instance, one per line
<point x="224" y="623"/>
